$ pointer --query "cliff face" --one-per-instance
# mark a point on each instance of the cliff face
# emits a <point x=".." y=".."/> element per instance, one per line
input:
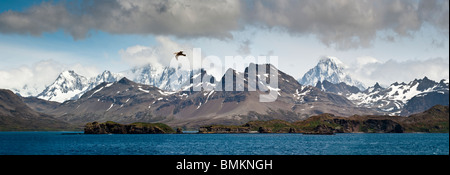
<point x="134" y="128"/>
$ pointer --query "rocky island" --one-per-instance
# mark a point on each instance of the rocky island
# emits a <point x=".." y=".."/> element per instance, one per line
<point x="110" y="127"/>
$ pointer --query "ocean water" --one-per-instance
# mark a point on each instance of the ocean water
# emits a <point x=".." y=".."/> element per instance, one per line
<point x="76" y="143"/>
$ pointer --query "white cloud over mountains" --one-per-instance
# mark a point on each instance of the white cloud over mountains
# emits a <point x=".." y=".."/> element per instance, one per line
<point x="158" y="55"/>
<point x="370" y="70"/>
<point x="161" y="54"/>
<point x="342" y="24"/>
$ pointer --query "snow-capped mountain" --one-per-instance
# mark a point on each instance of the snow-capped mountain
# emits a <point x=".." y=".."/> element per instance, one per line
<point x="71" y="86"/>
<point x="27" y="90"/>
<point x="106" y="76"/>
<point x="394" y="98"/>
<point x="162" y="77"/>
<point x="330" y="69"/>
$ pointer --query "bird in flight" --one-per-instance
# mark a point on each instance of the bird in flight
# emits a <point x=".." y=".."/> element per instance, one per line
<point x="180" y="53"/>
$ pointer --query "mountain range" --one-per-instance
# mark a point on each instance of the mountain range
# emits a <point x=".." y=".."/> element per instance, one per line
<point x="71" y="86"/>
<point x="404" y="98"/>
<point x="149" y="94"/>
<point x="126" y="101"/>
<point x="397" y="99"/>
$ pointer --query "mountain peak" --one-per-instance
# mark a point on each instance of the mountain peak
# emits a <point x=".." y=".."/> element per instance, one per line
<point x="330" y="69"/>
<point x="424" y="83"/>
<point x="319" y="85"/>
<point x="374" y="88"/>
<point x="106" y="76"/>
<point x="125" y="80"/>
<point x="66" y="83"/>
<point x="444" y="81"/>
<point x="68" y="74"/>
<point x="377" y="86"/>
<point x="106" y="72"/>
<point x="69" y="71"/>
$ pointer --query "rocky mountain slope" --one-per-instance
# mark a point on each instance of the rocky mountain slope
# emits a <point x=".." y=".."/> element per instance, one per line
<point x="15" y="115"/>
<point x="339" y="88"/>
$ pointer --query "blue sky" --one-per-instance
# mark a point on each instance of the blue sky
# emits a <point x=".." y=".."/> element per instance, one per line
<point x="101" y="49"/>
<point x="245" y="28"/>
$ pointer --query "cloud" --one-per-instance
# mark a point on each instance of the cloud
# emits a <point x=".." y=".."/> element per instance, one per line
<point x="199" y="18"/>
<point x="435" y="12"/>
<point x="159" y="55"/>
<point x="342" y="24"/>
<point x="361" y="61"/>
<point x="438" y="43"/>
<point x="31" y="80"/>
<point x="244" y="48"/>
<point x="346" y="24"/>
<point x="46" y="17"/>
<point x="369" y="70"/>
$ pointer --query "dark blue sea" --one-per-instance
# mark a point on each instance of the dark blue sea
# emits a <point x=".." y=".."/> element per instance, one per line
<point x="76" y="143"/>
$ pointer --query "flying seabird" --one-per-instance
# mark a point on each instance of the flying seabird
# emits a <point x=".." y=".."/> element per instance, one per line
<point x="180" y="53"/>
